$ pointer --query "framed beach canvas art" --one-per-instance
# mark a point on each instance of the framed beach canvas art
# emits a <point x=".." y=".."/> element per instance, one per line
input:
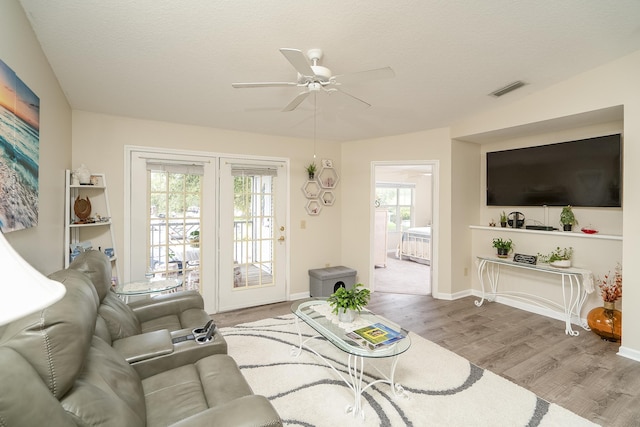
<point x="19" y="152"/>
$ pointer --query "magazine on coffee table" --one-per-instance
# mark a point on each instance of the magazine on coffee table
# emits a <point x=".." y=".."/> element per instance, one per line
<point x="376" y="335"/>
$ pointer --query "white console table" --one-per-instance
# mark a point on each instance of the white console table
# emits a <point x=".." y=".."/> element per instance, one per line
<point x="576" y="284"/>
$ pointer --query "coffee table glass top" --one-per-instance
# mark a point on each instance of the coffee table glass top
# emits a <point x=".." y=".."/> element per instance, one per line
<point x="144" y="287"/>
<point x="312" y="312"/>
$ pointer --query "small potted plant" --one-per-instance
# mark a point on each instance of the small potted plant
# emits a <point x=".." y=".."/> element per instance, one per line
<point x="503" y="246"/>
<point x="311" y="170"/>
<point x="346" y="302"/>
<point x="559" y="257"/>
<point x="503" y="219"/>
<point x="567" y="218"/>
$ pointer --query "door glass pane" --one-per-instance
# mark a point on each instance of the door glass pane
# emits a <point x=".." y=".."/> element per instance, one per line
<point x="253" y="226"/>
<point x="174" y="226"/>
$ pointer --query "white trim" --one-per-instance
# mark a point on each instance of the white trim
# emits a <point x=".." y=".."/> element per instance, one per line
<point x="205" y="158"/>
<point x="629" y="353"/>
<point x="435" y="217"/>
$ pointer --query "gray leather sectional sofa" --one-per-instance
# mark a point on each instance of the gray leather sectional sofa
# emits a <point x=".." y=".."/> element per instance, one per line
<point x="91" y="360"/>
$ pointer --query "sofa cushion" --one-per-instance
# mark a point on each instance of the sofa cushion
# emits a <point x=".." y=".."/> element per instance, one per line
<point x="97" y="266"/>
<point x="18" y="403"/>
<point x="107" y="392"/>
<point x="119" y="318"/>
<point x="55" y="340"/>
<point x="188" y="390"/>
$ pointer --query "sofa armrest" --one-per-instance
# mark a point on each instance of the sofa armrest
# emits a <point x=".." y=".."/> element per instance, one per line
<point x="166" y="304"/>
<point x="184" y="353"/>
<point x="249" y="411"/>
<point x="144" y="346"/>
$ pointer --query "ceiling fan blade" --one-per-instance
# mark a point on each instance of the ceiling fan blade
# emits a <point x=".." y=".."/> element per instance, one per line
<point x="367" y="105"/>
<point x="263" y="84"/>
<point x="298" y="60"/>
<point x="362" y="76"/>
<point x="296" y="101"/>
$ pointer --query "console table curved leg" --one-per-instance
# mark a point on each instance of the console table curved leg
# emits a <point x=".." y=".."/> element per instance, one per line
<point x="573" y="302"/>
<point x="493" y="275"/>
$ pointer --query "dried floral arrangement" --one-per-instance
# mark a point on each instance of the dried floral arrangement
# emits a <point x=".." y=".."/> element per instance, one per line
<point x="611" y="285"/>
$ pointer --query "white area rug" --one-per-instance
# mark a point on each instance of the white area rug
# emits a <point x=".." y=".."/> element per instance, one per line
<point x="442" y="388"/>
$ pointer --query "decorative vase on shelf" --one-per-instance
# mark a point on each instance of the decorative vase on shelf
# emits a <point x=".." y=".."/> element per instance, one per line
<point x="606" y="322"/>
<point x="84" y="174"/>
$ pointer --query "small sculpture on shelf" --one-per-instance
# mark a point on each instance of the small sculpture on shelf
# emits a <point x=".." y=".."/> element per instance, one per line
<point x="84" y="174"/>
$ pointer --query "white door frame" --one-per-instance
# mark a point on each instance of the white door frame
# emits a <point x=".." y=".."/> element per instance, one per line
<point x="229" y="297"/>
<point x="435" y="218"/>
<point x="209" y="286"/>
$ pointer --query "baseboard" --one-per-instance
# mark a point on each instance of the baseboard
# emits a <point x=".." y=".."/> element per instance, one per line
<point x="451" y="297"/>
<point x="532" y="308"/>
<point x="299" y="295"/>
<point x="629" y="353"/>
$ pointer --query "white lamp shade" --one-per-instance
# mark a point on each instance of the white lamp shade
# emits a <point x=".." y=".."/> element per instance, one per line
<point x="23" y="289"/>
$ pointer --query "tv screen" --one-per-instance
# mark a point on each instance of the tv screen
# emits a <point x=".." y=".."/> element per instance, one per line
<point x="586" y="172"/>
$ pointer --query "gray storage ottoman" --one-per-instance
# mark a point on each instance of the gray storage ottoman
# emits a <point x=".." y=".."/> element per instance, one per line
<point x="325" y="281"/>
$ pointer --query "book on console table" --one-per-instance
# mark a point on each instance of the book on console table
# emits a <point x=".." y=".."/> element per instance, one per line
<point x="376" y="335"/>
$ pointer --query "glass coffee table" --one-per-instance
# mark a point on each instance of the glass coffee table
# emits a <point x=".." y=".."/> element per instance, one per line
<point x="146" y="287"/>
<point x="317" y="314"/>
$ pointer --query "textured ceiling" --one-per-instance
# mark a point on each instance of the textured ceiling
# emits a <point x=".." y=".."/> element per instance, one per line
<point x="174" y="61"/>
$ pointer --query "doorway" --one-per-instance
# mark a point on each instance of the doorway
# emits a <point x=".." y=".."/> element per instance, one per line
<point x="403" y="227"/>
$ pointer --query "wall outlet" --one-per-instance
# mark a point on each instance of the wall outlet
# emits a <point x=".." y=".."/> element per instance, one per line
<point x="466" y="271"/>
<point x="303" y="224"/>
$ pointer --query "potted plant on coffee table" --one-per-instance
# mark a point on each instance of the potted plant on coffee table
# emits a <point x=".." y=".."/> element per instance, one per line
<point x="559" y="257"/>
<point x="503" y="246"/>
<point x="346" y="302"/>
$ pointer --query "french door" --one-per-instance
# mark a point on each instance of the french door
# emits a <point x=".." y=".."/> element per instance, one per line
<point x="218" y="224"/>
<point x="252" y="212"/>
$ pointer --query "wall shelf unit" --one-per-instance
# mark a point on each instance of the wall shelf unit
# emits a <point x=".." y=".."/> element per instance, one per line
<point x="550" y="233"/>
<point x="97" y="228"/>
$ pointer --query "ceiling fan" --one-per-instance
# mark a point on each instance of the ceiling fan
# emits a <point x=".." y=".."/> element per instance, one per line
<point x="315" y="78"/>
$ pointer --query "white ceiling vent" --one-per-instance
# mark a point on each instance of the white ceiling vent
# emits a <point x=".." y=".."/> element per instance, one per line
<point x="508" y="88"/>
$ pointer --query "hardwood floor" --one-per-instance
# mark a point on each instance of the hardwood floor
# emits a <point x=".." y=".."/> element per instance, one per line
<point x="582" y="374"/>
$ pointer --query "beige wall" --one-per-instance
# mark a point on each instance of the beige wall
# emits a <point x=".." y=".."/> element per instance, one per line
<point x="464" y="210"/>
<point x="341" y="234"/>
<point x="357" y="208"/>
<point x="20" y="50"/>
<point x="99" y="141"/>
<point x="611" y="85"/>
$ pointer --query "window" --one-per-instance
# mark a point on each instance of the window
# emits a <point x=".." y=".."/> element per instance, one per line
<point x="174" y="196"/>
<point x="398" y="199"/>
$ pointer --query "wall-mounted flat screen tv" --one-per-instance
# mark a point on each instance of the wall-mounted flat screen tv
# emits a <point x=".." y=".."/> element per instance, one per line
<point x="586" y="172"/>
